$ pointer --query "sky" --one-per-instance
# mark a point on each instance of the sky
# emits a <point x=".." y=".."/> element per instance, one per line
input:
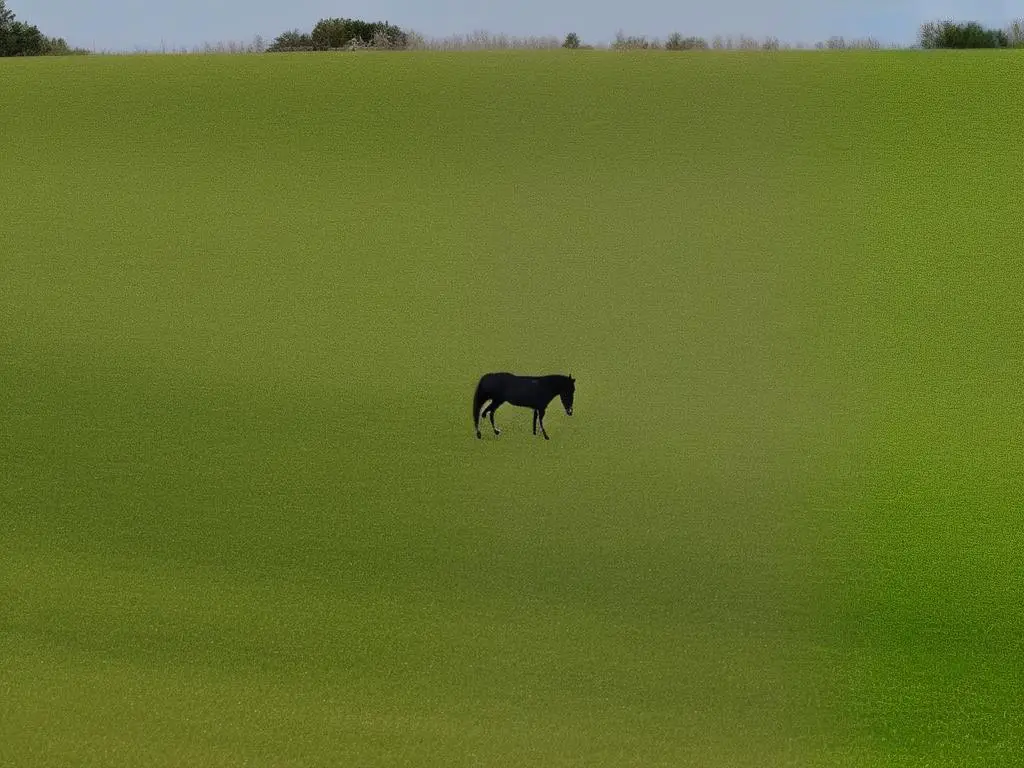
<point x="128" y="25"/>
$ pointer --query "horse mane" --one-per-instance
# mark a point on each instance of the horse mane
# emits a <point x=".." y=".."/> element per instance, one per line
<point x="561" y="378"/>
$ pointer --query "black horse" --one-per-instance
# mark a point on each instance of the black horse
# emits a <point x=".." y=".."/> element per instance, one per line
<point x="534" y="392"/>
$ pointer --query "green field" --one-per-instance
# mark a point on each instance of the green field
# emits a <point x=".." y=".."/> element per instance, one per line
<point x="243" y="305"/>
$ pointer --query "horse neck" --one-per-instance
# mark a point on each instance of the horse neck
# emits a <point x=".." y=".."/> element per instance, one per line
<point x="557" y="383"/>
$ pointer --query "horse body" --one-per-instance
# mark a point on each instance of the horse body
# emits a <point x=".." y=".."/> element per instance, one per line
<point x="534" y="392"/>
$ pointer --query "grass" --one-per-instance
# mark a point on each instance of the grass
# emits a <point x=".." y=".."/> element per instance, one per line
<point x="245" y="303"/>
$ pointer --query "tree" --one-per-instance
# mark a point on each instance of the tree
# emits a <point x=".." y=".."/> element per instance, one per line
<point x="333" y="34"/>
<point x="20" y="39"/>
<point x="342" y="34"/>
<point x="676" y="42"/>
<point x="1015" y="33"/>
<point x="6" y="22"/>
<point x="292" y="40"/>
<point x="24" y="40"/>
<point x="949" y="34"/>
<point x="572" y="40"/>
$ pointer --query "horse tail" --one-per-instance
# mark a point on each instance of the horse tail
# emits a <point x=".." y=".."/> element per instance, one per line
<point x="479" y="396"/>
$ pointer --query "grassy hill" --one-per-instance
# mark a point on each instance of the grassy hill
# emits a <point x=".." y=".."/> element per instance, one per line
<point x="244" y="304"/>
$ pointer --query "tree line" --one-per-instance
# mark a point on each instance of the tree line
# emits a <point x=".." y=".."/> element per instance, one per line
<point x="932" y="35"/>
<point x="348" y="34"/>
<point x="19" y="38"/>
<point x="342" y="34"/>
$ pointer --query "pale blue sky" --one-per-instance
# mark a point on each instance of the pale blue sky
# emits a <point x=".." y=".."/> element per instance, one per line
<point x="148" y="24"/>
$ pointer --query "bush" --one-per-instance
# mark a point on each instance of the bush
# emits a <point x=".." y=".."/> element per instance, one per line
<point x="482" y="40"/>
<point x="949" y="34"/>
<point x="866" y="43"/>
<point x="339" y="34"/>
<point x="1015" y="33"/>
<point x="292" y="40"/>
<point x="257" y="45"/>
<point x="624" y="43"/>
<point x="676" y="42"/>
<point x="58" y="46"/>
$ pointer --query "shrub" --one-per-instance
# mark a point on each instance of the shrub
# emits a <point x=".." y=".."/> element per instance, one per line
<point x="949" y="34"/>
<point x="633" y="42"/>
<point x="292" y="40"/>
<point x="1015" y="33"/>
<point x="58" y="46"/>
<point x="482" y="40"/>
<point x="676" y="42"/>
<point x="839" y="43"/>
<point x="258" y="45"/>
<point x="348" y="33"/>
<point x="866" y="43"/>
<point x="331" y="33"/>
<point x="342" y="34"/>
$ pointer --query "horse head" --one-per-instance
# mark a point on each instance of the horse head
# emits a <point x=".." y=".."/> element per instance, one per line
<point x="567" y="393"/>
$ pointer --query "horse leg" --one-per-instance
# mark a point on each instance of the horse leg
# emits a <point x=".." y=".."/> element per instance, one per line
<point x="535" y="421"/>
<point x="542" y="430"/>
<point x="477" y="416"/>
<point x="489" y="411"/>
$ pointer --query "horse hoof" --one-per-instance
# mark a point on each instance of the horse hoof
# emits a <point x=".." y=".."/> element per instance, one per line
<point x="478" y="435"/>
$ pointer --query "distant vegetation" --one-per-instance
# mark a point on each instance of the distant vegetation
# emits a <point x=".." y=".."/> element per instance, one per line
<point x="340" y="34"/>
<point x="949" y="34"/>
<point x="344" y="34"/>
<point x="18" y="38"/>
<point x="351" y="34"/>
